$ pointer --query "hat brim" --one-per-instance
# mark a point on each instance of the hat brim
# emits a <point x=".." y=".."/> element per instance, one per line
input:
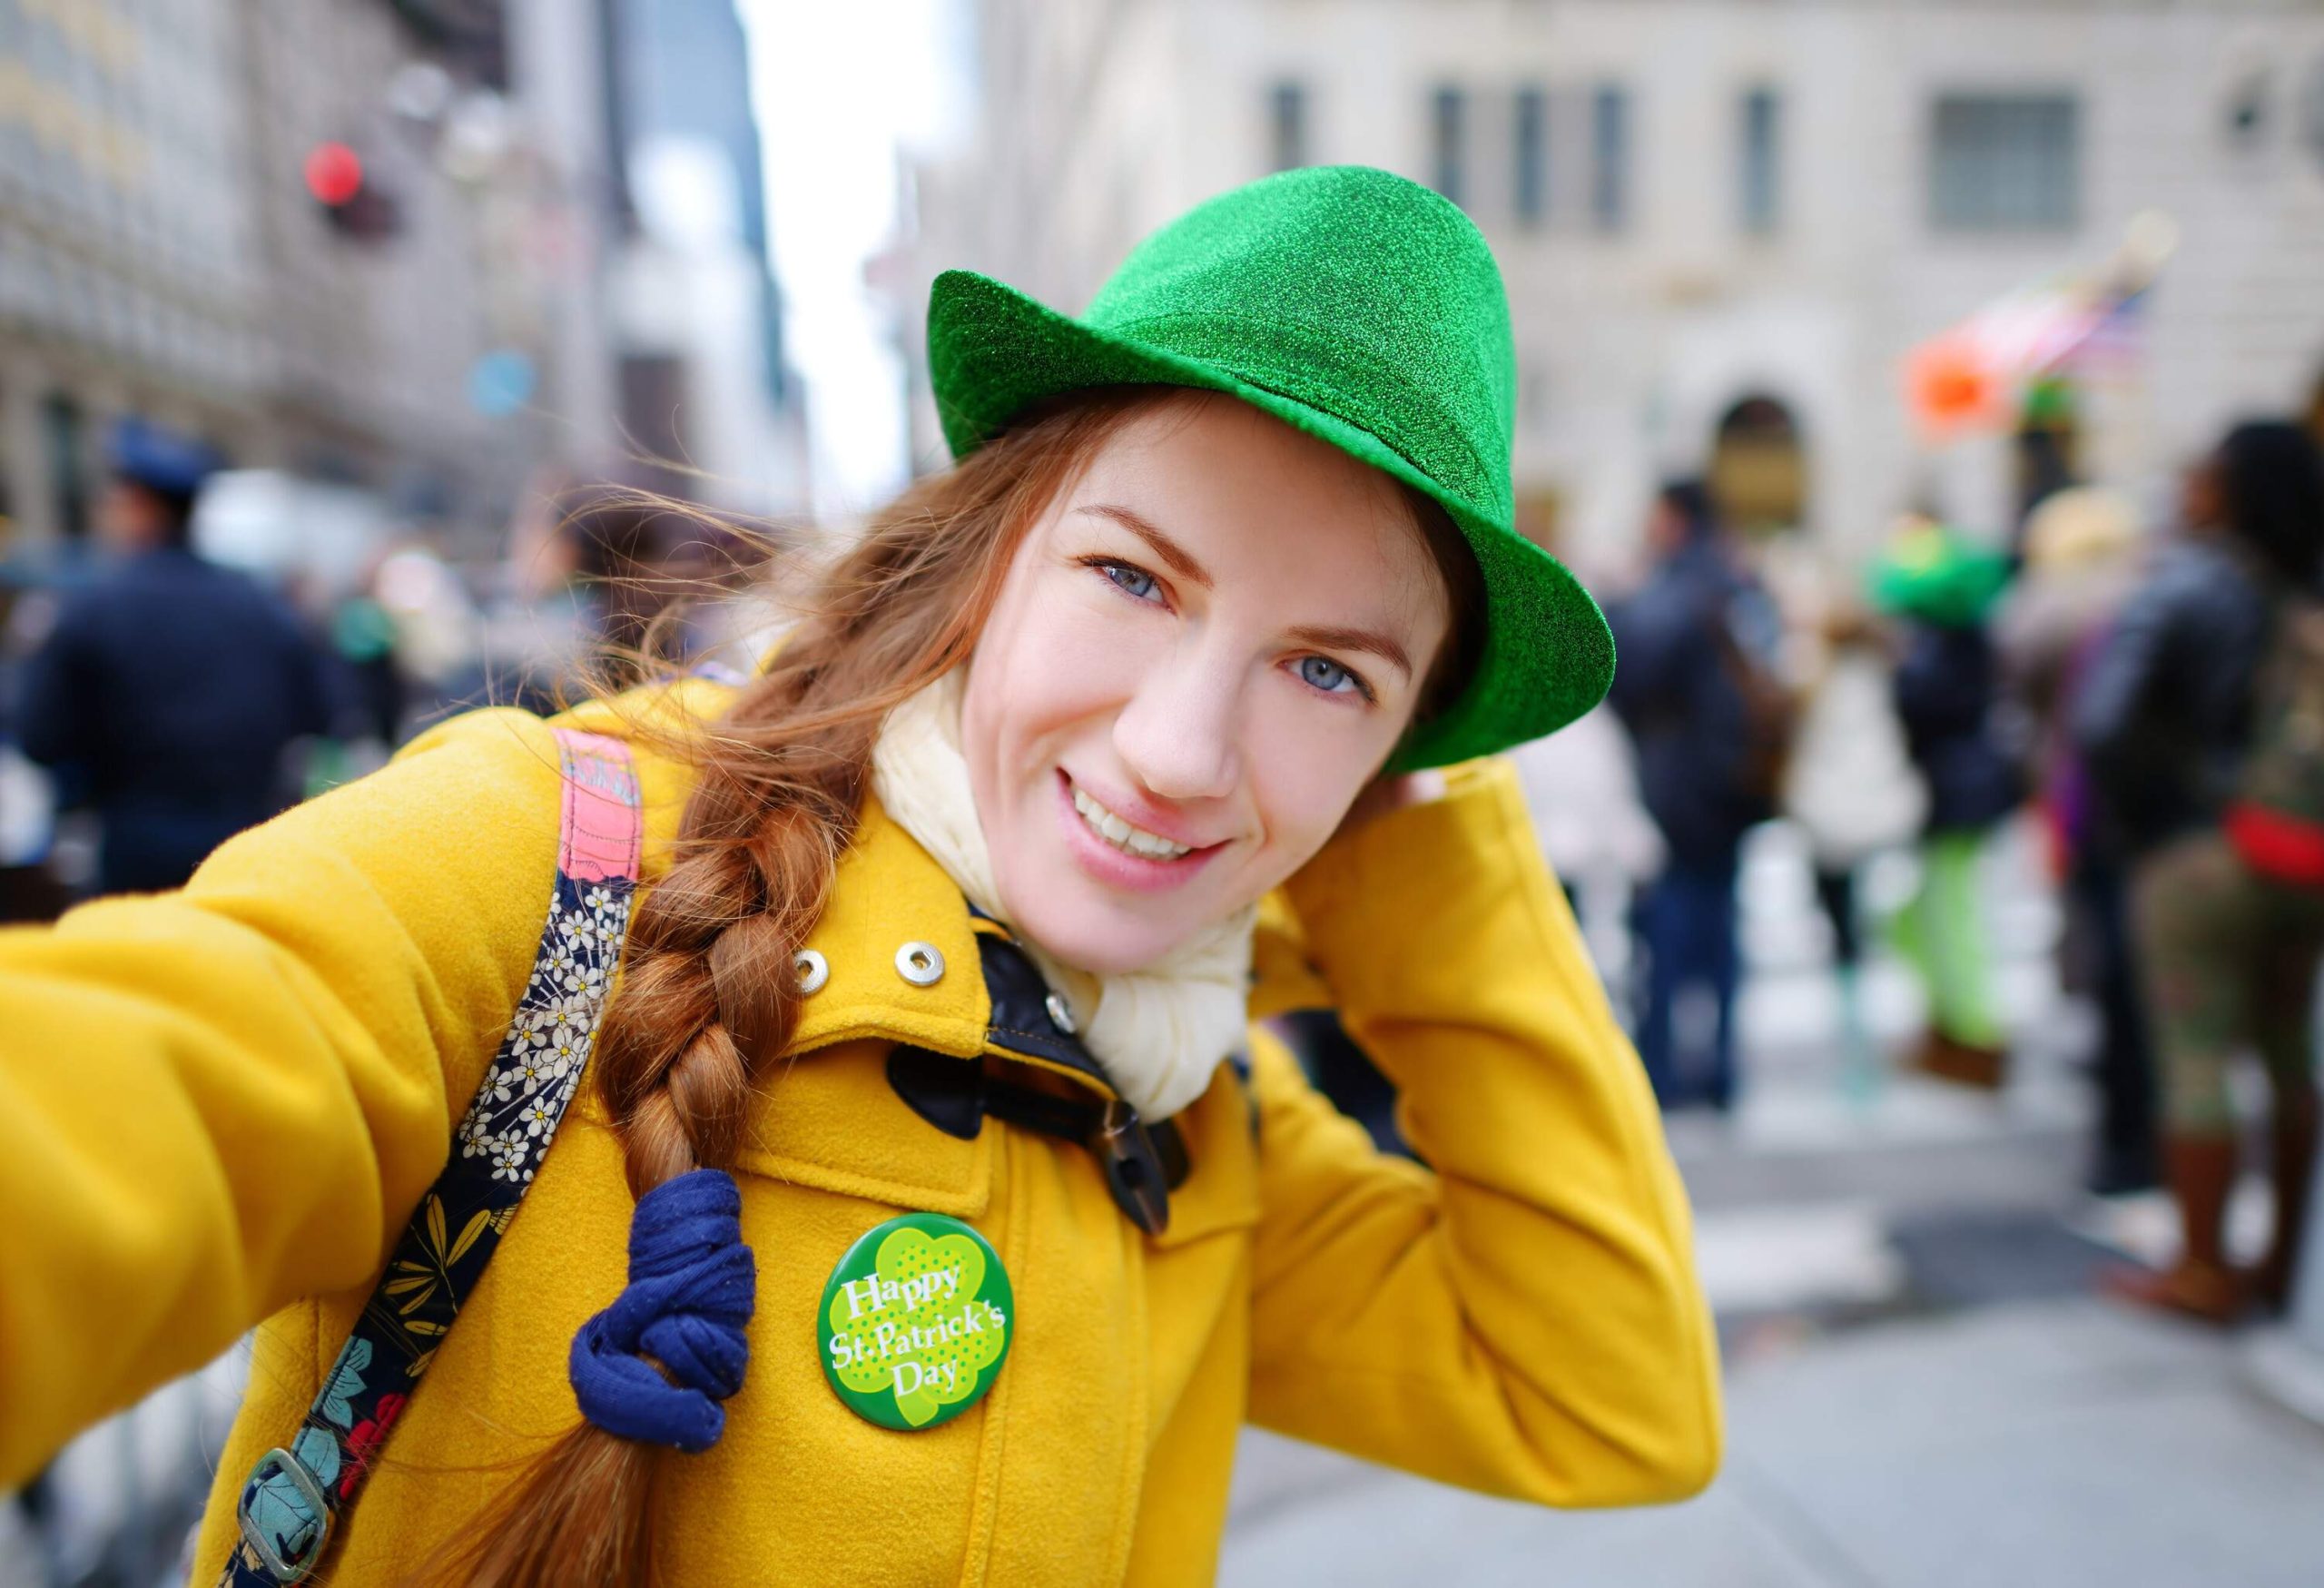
<point x="1546" y="656"/>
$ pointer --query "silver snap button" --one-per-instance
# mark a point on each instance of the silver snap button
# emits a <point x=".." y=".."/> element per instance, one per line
<point x="920" y="963"/>
<point x="812" y="970"/>
<point x="1061" y="1013"/>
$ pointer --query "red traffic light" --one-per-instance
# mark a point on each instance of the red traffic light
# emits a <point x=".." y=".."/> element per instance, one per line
<point x="334" y="173"/>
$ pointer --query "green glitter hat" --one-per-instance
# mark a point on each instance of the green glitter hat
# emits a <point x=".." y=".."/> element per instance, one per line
<point x="1366" y="310"/>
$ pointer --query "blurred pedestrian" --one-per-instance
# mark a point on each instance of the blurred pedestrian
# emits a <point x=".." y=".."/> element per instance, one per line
<point x="438" y="634"/>
<point x="171" y="691"/>
<point x="2228" y="831"/>
<point x="1698" y="688"/>
<point x="594" y="576"/>
<point x="375" y="695"/>
<point x="1849" y="785"/>
<point x="1939" y="588"/>
<point x="2081" y="552"/>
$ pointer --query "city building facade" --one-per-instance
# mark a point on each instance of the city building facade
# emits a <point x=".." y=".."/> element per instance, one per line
<point x="1724" y="223"/>
<point x="297" y="230"/>
<point x="387" y="244"/>
<point x="708" y="404"/>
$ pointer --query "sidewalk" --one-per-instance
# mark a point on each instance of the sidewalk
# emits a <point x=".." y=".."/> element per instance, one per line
<point x="2062" y="1444"/>
<point x="1923" y="1392"/>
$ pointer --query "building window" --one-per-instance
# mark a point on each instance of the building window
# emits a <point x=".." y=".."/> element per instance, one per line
<point x="1448" y="136"/>
<point x="1287" y="124"/>
<point x="1531" y="137"/>
<point x="1762" y="149"/>
<point x="1610" y="156"/>
<point x="2004" y="162"/>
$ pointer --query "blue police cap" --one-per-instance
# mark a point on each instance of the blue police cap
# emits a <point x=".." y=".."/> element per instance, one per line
<point x="158" y="458"/>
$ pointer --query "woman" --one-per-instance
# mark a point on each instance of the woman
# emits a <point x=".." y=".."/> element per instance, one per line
<point x="1212" y="559"/>
<point x="2228" y="955"/>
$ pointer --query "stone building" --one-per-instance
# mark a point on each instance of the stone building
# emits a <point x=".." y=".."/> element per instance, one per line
<point x="469" y="324"/>
<point x="702" y="372"/>
<point x="166" y="251"/>
<point x="1722" y="218"/>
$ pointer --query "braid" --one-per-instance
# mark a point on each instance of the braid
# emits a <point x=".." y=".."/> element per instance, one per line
<point x="707" y="995"/>
<point x="710" y="991"/>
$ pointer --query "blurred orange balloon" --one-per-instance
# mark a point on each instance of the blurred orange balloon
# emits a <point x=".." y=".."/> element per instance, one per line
<point x="1950" y="386"/>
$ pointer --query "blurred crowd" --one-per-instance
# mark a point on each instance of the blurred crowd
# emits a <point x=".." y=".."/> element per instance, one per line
<point x="173" y="683"/>
<point x="2151" y="695"/>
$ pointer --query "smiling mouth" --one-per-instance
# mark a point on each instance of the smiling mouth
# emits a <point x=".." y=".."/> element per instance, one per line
<point x="1121" y="834"/>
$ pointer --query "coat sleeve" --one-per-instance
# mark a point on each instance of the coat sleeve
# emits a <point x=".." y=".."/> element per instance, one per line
<point x="216" y="1100"/>
<point x="53" y="713"/>
<point x="1525" y="1319"/>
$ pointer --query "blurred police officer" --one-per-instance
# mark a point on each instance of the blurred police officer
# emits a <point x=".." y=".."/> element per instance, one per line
<point x="170" y="689"/>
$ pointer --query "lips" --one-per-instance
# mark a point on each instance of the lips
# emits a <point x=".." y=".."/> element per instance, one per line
<point x="1084" y="820"/>
<point x="1120" y="833"/>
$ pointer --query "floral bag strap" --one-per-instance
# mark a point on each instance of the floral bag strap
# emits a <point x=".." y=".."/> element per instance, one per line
<point x="294" y="1494"/>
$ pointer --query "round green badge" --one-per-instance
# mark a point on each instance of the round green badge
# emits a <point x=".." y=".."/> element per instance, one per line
<point x="915" y="1321"/>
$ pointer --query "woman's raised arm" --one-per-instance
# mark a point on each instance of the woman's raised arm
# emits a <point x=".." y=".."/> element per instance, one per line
<point x="217" y="1101"/>
<point x="1525" y="1319"/>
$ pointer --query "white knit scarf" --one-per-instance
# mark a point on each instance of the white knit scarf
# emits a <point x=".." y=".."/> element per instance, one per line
<point x="1160" y="1031"/>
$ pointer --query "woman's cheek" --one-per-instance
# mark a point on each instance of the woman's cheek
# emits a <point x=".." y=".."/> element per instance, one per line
<point x="1304" y="775"/>
<point x="1062" y="660"/>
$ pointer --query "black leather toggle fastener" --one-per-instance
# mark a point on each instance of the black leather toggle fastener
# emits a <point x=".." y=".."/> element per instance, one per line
<point x="1125" y="1149"/>
<point x="1142" y="1164"/>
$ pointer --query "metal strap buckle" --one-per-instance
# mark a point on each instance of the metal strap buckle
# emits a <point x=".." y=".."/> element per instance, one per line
<point x="285" y="1569"/>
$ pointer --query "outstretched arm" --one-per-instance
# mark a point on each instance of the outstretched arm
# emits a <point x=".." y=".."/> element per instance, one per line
<point x="216" y="1100"/>
<point x="1524" y="1319"/>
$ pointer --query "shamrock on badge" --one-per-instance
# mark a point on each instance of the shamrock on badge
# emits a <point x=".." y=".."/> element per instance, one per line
<point x="916" y="1329"/>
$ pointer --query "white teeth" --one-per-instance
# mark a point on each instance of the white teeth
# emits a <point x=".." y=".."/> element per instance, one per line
<point x="1121" y="834"/>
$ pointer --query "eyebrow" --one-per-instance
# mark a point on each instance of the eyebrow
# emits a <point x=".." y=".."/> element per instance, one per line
<point x="1182" y="561"/>
<point x="1323" y="637"/>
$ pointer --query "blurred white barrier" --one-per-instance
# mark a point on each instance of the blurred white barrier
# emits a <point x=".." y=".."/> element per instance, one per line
<point x="118" y="1503"/>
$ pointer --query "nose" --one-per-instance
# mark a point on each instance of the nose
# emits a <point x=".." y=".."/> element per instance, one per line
<point x="1180" y="734"/>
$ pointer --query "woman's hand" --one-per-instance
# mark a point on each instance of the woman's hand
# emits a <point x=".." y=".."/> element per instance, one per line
<point x="1383" y="794"/>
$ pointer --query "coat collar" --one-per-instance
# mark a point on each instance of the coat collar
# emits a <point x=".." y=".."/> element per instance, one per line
<point x="888" y="898"/>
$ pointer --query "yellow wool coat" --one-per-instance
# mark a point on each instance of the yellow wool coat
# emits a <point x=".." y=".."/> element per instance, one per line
<point x="220" y="1107"/>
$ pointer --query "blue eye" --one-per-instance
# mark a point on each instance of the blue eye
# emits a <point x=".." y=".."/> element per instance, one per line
<point x="1328" y="675"/>
<point x="1133" y="580"/>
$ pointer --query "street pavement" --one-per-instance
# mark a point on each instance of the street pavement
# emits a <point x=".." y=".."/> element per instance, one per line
<point x="2055" y="1442"/>
<point x="1924" y="1389"/>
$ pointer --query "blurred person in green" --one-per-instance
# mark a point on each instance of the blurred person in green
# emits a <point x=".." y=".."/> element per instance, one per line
<point x="172" y="690"/>
<point x="1940" y="588"/>
<point x="2203" y="722"/>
